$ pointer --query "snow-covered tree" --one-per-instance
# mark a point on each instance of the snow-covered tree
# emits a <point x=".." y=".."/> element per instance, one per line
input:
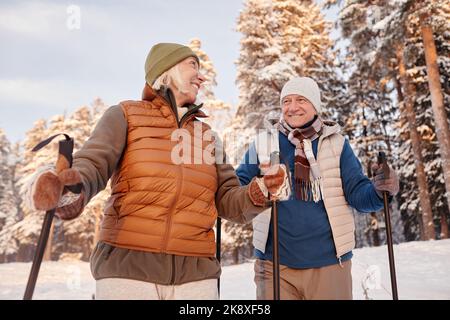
<point x="10" y="211"/>
<point x="417" y="93"/>
<point x="385" y="38"/>
<point x="18" y="241"/>
<point x="430" y="21"/>
<point x="218" y="111"/>
<point x="207" y="70"/>
<point x="369" y="82"/>
<point x="8" y="204"/>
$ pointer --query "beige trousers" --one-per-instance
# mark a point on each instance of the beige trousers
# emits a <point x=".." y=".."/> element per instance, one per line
<point x="332" y="282"/>
<point x="126" y="289"/>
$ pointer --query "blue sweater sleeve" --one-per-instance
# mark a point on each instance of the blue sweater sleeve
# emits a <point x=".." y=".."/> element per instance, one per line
<point x="249" y="166"/>
<point x="358" y="189"/>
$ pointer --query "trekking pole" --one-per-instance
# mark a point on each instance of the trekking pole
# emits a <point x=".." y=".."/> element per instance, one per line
<point x="387" y="218"/>
<point x="64" y="158"/>
<point x="275" y="159"/>
<point x="218" y="246"/>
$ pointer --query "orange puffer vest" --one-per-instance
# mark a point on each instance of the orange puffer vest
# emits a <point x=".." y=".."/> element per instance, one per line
<point x="155" y="204"/>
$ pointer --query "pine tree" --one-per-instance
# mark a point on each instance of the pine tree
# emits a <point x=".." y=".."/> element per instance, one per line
<point x="218" y="111"/>
<point x="17" y="242"/>
<point x="368" y="114"/>
<point x="441" y="116"/>
<point x="206" y="69"/>
<point x="406" y="25"/>
<point x="6" y="203"/>
<point x="378" y="29"/>
<point x="10" y="203"/>
<point x="414" y="58"/>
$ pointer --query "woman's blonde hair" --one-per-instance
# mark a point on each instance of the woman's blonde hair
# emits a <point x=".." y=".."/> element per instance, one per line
<point x="173" y="75"/>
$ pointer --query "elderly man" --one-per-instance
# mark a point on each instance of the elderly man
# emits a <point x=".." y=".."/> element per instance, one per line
<point x="316" y="226"/>
<point x="156" y="238"/>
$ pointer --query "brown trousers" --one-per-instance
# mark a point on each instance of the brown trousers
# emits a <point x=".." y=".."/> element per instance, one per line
<point x="332" y="282"/>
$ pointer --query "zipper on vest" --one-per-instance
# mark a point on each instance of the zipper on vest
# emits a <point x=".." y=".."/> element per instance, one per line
<point x="319" y="144"/>
<point x="187" y="114"/>
<point x="180" y="181"/>
<point x="167" y="94"/>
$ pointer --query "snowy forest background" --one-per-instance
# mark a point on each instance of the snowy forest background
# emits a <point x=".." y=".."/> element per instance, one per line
<point x="380" y="80"/>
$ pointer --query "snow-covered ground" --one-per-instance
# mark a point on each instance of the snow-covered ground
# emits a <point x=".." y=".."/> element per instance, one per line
<point x="423" y="272"/>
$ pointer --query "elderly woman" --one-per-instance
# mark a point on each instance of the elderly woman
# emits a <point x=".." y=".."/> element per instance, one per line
<point x="156" y="239"/>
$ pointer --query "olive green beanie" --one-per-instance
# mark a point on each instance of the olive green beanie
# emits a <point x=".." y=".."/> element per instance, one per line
<point x="162" y="57"/>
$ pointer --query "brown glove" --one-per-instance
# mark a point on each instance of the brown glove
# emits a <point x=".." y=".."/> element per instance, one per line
<point x="255" y="193"/>
<point x="72" y="210"/>
<point x="49" y="187"/>
<point x="259" y="188"/>
<point x="389" y="183"/>
<point x="274" y="178"/>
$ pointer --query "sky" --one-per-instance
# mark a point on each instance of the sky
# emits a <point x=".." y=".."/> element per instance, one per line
<point x="50" y="66"/>
<point x="57" y="56"/>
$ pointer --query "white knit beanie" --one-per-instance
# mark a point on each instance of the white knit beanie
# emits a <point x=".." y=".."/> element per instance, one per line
<point x="305" y="87"/>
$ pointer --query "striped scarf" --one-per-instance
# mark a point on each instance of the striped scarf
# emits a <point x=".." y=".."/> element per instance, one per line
<point x="308" y="181"/>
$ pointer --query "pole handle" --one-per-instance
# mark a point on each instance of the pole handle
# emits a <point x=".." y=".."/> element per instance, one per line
<point x="382" y="161"/>
<point x="274" y="158"/>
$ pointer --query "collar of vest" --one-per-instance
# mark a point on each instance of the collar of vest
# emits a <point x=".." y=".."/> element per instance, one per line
<point x="149" y="94"/>
<point x="329" y="128"/>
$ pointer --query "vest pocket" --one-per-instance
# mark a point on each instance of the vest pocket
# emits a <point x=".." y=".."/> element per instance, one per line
<point x="112" y="205"/>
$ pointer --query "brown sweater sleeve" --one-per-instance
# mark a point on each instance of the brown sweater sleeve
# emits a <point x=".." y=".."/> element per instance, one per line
<point x="99" y="156"/>
<point x="232" y="200"/>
